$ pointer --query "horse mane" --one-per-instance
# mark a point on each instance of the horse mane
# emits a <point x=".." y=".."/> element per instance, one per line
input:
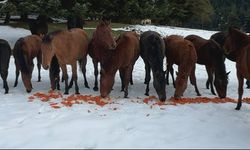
<point x="49" y="37"/>
<point x="19" y="55"/>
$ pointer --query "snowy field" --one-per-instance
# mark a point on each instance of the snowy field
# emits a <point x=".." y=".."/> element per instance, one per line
<point x="123" y="124"/>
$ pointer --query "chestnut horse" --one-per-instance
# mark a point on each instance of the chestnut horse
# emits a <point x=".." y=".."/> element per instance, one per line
<point x="68" y="46"/>
<point x="152" y="51"/>
<point x="238" y="44"/>
<point x="102" y="42"/>
<point x="5" y="53"/>
<point x="211" y="55"/>
<point x="25" y="50"/>
<point x="182" y="53"/>
<point x="123" y="59"/>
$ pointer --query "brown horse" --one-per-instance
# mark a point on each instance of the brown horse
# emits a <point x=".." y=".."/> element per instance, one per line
<point x="122" y="58"/>
<point x="68" y="46"/>
<point x="211" y="55"/>
<point x="102" y="41"/>
<point x="182" y="53"/>
<point x="25" y="50"/>
<point x="238" y="44"/>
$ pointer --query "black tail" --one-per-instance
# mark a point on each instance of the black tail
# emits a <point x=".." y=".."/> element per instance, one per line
<point x="20" y="56"/>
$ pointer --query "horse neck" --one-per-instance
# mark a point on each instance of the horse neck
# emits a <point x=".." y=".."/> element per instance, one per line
<point x="220" y="69"/>
<point x="240" y="39"/>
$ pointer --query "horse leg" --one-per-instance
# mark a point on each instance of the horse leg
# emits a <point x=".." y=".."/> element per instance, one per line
<point x="127" y="76"/>
<point x="193" y="81"/>
<point x="121" y="72"/>
<point x="147" y="78"/>
<point x="240" y="89"/>
<point x="248" y="84"/>
<point x="131" y="78"/>
<point x="95" y="63"/>
<point x="172" y="74"/>
<point x="65" y="78"/>
<point x="4" y="74"/>
<point x="74" y="76"/>
<point x="39" y="60"/>
<point x="17" y="75"/>
<point x="83" y="67"/>
<point x="210" y="79"/>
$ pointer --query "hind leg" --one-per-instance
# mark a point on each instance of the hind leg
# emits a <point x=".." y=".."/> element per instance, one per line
<point x="172" y="74"/>
<point x="121" y="72"/>
<point x="95" y="63"/>
<point x="147" y="78"/>
<point x="39" y="60"/>
<point x="240" y="89"/>
<point x="193" y="81"/>
<point x="17" y="75"/>
<point x="83" y="67"/>
<point x="4" y="74"/>
<point x="127" y="77"/>
<point x="65" y="78"/>
<point x="74" y="76"/>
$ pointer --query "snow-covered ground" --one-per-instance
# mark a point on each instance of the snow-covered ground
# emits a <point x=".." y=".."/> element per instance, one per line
<point x="123" y="124"/>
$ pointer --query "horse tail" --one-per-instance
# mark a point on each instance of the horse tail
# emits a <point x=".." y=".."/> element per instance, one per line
<point x="20" y="56"/>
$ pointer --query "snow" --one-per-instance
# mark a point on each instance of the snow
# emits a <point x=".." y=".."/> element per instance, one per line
<point x="123" y="124"/>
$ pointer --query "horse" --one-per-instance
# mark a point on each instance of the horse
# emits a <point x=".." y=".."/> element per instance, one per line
<point x="238" y="44"/>
<point x="68" y="46"/>
<point x="220" y="38"/>
<point x="211" y="55"/>
<point x="25" y="50"/>
<point x="5" y="53"/>
<point x="146" y="21"/>
<point x="182" y="53"/>
<point x="123" y="59"/>
<point x="152" y="51"/>
<point x="101" y="42"/>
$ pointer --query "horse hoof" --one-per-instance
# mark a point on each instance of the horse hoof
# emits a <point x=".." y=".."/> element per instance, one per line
<point x="87" y="86"/>
<point x="77" y="93"/>
<point x="95" y="88"/>
<point x="237" y="108"/>
<point x="66" y="93"/>
<point x="198" y="94"/>
<point x="146" y="94"/>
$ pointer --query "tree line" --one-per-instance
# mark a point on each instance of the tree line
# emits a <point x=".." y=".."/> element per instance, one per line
<point x="205" y="14"/>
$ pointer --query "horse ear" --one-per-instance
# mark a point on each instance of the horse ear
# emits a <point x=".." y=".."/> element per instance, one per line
<point x="228" y="73"/>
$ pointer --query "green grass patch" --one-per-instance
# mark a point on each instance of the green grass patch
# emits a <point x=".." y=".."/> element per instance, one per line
<point x="63" y="26"/>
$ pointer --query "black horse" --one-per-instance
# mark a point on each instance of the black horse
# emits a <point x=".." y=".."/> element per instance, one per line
<point x="220" y="38"/>
<point x="5" y="53"/>
<point x="152" y="49"/>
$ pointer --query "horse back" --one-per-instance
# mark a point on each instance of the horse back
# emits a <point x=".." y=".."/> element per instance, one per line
<point x="128" y="48"/>
<point x="32" y="46"/>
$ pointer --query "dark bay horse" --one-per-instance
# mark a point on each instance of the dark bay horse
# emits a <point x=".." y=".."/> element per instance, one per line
<point x="5" y="53"/>
<point x="101" y="42"/>
<point x="152" y="51"/>
<point x="123" y="59"/>
<point x="25" y="50"/>
<point x="238" y="44"/>
<point x="220" y="37"/>
<point x="211" y="54"/>
<point x="68" y="46"/>
<point x="182" y="53"/>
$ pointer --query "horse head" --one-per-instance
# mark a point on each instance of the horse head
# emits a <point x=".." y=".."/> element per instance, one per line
<point x="103" y="36"/>
<point x="47" y="52"/>
<point x="107" y="82"/>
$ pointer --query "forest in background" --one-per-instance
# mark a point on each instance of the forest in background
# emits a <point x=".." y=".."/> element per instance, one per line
<point x="203" y="14"/>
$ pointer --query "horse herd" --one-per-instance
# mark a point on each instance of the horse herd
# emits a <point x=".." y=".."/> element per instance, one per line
<point x="67" y="47"/>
